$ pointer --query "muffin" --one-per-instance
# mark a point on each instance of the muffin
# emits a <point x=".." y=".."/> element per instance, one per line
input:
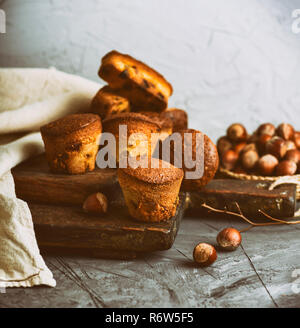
<point x="71" y="143"/>
<point x="108" y="102"/>
<point x="146" y="89"/>
<point x="207" y="161"/>
<point x="151" y="194"/>
<point x="164" y="122"/>
<point x="142" y="143"/>
<point x="178" y="117"/>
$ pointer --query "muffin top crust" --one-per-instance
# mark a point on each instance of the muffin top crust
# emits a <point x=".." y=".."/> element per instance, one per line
<point x="71" y="123"/>
<point x="131" y="116"/>
<point x="157" y="174"/>
<point x="164" y="121"/>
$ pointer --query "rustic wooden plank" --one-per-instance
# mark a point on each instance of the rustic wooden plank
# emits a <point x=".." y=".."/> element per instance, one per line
<point x="251" y="196"/>
<point x="70" y="227"/>
<point x="59" y="225"/>
<point x="35" y="183"/>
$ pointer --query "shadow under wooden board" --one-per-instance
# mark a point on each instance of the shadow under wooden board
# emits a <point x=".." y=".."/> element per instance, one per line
<point x="55" y="201"/>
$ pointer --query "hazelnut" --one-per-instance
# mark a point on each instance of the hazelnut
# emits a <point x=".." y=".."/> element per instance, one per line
<point x="293" y="155"/>
<point x="239" y="147"/>
<point x="229" y="159"/>
<point x="261" y="142"/>
<point x="204" y="254"/>
<point x="250" y="146"/>
<point x="297" y="139"/>
<point x="237" y="132"/>
<point x="276" y="146"/>
<point x="95" y="203"/>
<point x="266" y="128"/>
<point x="229" y="239"/>
<point x="266" y="164"/>
<point x="285" y="131"/>
<point x="290" y="145"/>
<point x="249" y="159"/>
<point x="223" y="145"/>
<point x="286" y="168"/>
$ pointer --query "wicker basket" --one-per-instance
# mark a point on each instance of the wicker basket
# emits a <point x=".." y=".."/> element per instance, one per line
<point x="294" y="179"/>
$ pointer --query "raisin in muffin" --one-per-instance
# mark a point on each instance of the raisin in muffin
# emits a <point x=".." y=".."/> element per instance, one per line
<point x="108" y="102"/>
<point x="151" y="194"/>
<point x="71" y="143"/>
<point x="146" y="89"/>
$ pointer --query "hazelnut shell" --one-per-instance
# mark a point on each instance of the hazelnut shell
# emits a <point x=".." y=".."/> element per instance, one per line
<point x="204" y="254"/>
<point x="286" y="168"/>
<point x="276" y="146"/>
<point x="229" y="239"/>
<point x="237" y="132"/>
<point x="95" y="203"/>
<point x="266" y="128"/>
<point x="266" y="164"/>
<point x="285" y="131"/>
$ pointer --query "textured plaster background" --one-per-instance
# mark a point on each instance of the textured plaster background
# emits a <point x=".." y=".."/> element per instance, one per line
<point x="233" y="60"/>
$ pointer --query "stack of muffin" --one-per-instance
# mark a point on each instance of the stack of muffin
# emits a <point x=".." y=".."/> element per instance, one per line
<point x="136" y="96"/>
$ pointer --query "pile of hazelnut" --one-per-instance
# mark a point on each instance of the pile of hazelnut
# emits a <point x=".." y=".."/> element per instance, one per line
<point x="269" y="151"/>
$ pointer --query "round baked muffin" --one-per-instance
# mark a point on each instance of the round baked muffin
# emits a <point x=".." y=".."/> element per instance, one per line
<point x="108" y="102"/>
<point x="142" y="134"/>
<point x="204" y="155"/>
<point x="165" y="123"/>
<point x="71" y="143"/>
<point x="178" y="117"/>
<point x="151" y="194"/>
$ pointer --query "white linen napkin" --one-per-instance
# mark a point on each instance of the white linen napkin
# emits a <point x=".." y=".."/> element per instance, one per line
<point x="29" y="98"/>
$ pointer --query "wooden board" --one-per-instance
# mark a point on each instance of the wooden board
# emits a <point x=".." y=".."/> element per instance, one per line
<point x="35" y="183"/>
<point x="55" y="201"/>
<point x="251" y="196"/>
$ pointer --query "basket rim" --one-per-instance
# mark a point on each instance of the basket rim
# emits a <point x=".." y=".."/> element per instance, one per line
<point x="244" y="176"/>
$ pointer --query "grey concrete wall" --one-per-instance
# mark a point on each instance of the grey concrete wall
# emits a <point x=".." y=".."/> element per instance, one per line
<point x="233" y="60"/>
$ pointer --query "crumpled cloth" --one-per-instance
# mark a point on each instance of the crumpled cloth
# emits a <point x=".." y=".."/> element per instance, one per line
<point x="29" y="98"/>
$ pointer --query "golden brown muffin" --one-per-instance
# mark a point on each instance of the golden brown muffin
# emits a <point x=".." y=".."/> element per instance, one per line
<point x="165" y="123"/>
<point x="146" y="89"/>
<point x="142" y="126"/>
<point x="178" y="116"/>
<point x="208" y="158"/>
<point x="71" y="143"/>
<point x="108" y="102"/>
<point x="151" y="194"/>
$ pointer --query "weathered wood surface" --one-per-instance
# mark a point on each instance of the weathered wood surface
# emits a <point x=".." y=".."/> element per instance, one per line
<point x="251" y="196"/>
<point x="70" y="227"/>
<point x="258" y="274"/>
<point x="61" y="226"/>
<point x="34" y="182"/>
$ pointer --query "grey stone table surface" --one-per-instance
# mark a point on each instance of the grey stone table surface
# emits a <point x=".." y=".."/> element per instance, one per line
<point x="263" y="272"/>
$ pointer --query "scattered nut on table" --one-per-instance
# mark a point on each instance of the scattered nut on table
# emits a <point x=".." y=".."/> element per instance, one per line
<point x="95" y="203"/>
<point x="229" y="239"/>
<point x="204" y="254"/>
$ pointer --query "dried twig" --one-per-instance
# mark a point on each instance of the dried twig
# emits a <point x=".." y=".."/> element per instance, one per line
<point x="252" y="224"/>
